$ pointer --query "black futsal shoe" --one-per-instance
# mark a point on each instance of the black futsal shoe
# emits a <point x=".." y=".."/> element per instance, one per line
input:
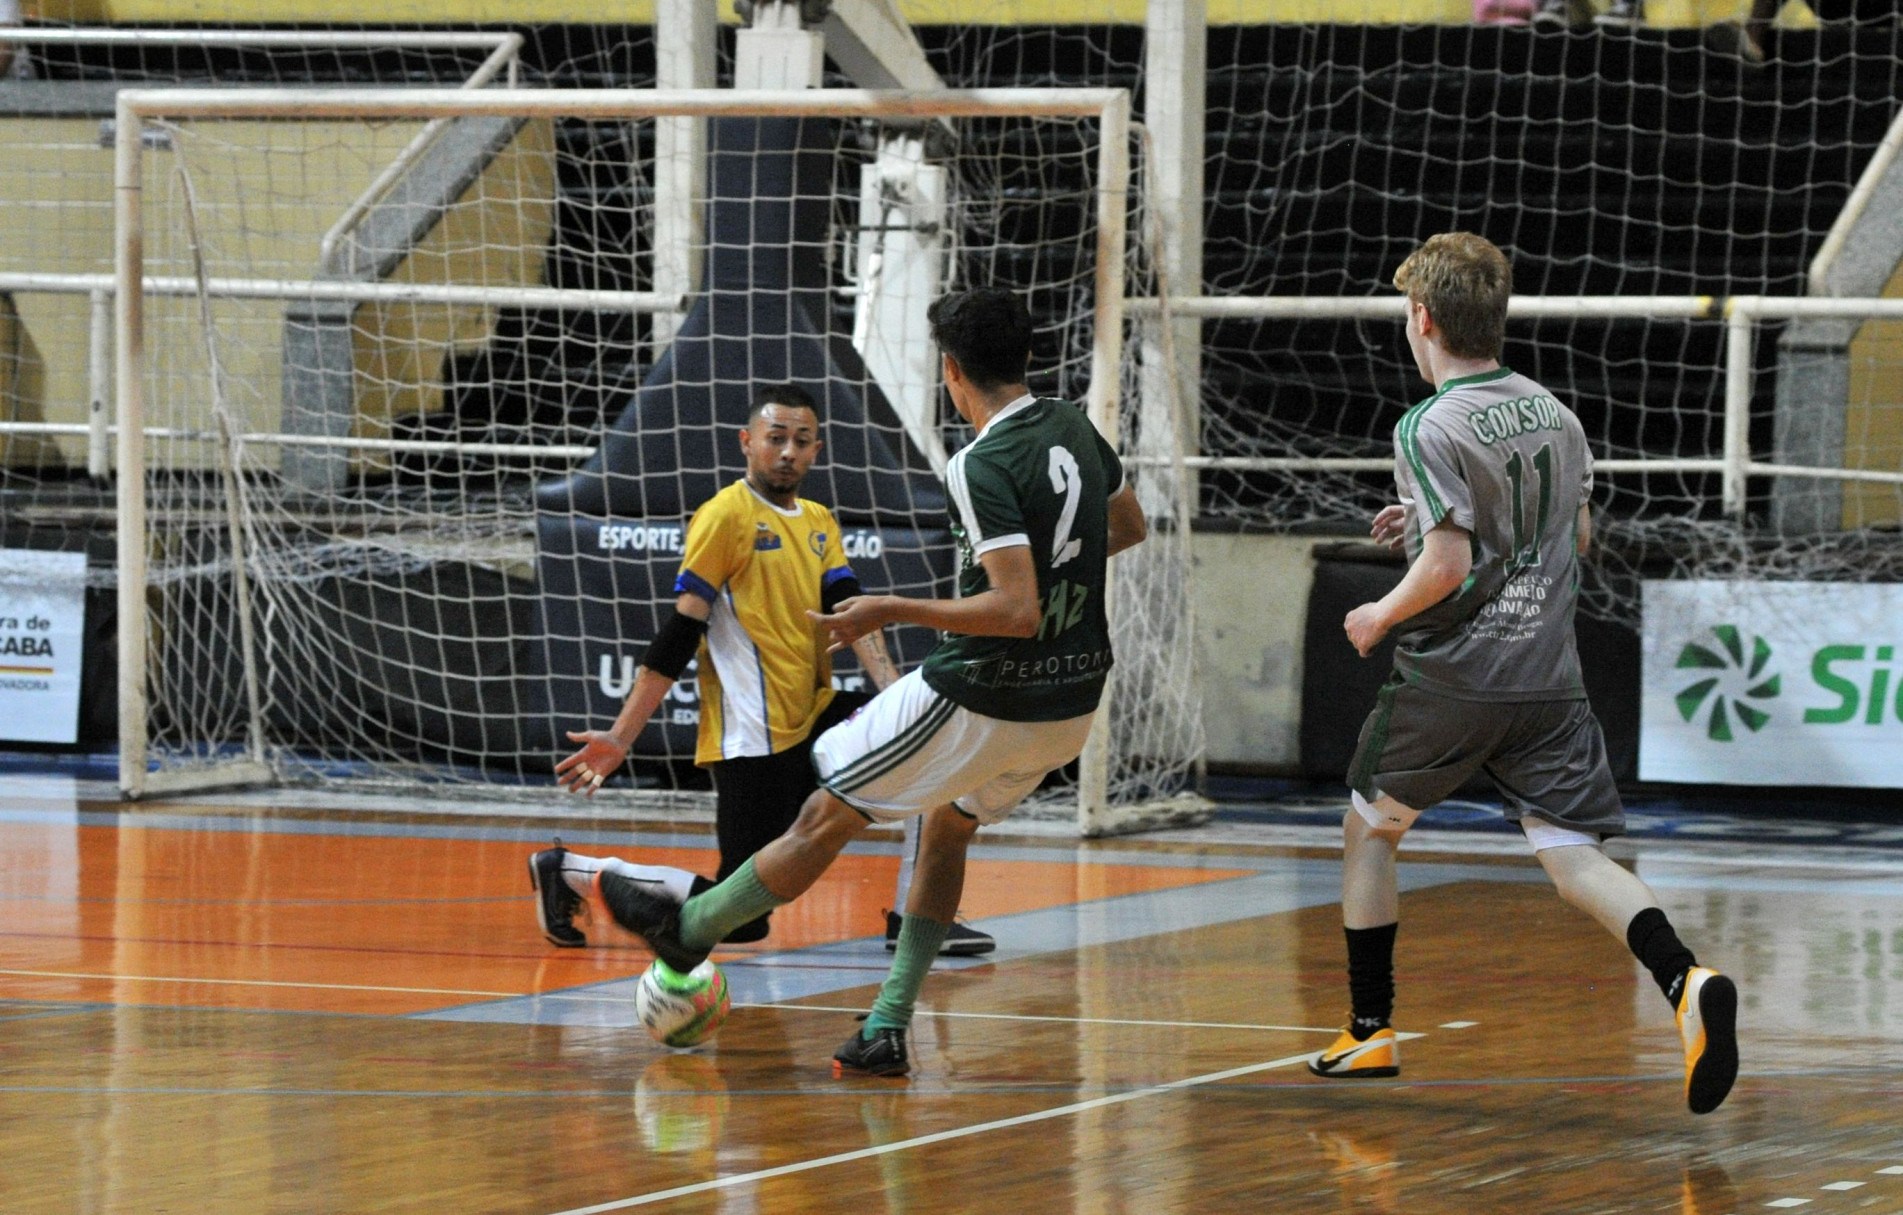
<point x="646" y="909"/>
<point x="883" y="1054"/>
<point x="555" y="903"/>
<point x="963" y="941"/>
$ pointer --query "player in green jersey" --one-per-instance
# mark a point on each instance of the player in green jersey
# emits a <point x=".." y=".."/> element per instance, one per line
<point x="1040" y="503"/>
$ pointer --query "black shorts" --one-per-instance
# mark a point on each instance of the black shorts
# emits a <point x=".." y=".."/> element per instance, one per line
<point x="1547" y="757"/>
<point x="756" y="798"/>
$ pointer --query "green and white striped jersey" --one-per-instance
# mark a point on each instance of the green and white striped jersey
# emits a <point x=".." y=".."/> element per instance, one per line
<point x="1039" y="475"/>
<point x="1499" y="456"/>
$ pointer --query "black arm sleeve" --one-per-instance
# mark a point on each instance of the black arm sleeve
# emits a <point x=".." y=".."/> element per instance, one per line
<point x="839" y="589"/>
<point x="674" y="646"/>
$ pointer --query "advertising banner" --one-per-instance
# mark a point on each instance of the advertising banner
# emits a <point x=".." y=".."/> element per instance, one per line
<point x="42" y="643"/>
<point x="1772" y="683"/>
<point x="608" y="583"/>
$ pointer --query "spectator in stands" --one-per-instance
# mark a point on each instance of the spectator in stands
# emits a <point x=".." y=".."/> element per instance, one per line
<point x="1743" y="36"/>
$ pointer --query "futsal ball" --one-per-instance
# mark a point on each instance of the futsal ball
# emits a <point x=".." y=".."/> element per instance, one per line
<point x="682" y="1009"/>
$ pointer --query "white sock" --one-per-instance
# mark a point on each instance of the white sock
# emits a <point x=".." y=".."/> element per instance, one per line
<point x="579" y="873"/>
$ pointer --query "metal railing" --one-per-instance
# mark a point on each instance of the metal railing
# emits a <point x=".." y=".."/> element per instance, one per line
<point x="1741" y="314"/>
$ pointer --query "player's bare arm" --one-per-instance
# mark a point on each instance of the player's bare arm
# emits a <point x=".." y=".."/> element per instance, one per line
<point x="1007" y="608"/>
<point x="1126" y="526"/>
<point x="603" y="751"/>
<point x="876" y="659"/>
<point x="1445" y="561"/>
<point x="1582" y="528"/>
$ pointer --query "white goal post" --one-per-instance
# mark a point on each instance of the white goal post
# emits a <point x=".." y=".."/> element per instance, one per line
<point x="1108" y="799"/>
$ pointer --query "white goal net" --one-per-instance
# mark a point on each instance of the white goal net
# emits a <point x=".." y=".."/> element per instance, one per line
<point x="382" y="538"/>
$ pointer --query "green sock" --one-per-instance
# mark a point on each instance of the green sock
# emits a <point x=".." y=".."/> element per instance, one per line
<point x="919" y="939"/>
<point x="712" y="914"/>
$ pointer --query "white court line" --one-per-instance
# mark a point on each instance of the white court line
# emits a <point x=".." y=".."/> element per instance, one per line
<point x="1062" y="1111"/>
<point x="416" y="991"/>
<point x="581" y="996"/>
<point x="1297" y="1029"/>
<point x="619" y="999"/>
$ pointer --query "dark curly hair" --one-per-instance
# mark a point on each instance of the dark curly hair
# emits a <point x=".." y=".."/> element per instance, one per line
<point x="988" y="332"/>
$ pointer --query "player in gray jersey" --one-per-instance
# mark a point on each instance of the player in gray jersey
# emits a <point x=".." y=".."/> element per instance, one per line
<point x="1494" y="480"/>
<point x="1039" y="505"/>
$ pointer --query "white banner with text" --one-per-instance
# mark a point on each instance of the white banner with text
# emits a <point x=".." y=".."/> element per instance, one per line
<point x="1772" y="683"/>
<point x="42" y="642"/>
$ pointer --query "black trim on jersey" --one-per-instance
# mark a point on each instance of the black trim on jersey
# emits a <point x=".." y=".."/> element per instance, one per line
<point x="838" y="589"/>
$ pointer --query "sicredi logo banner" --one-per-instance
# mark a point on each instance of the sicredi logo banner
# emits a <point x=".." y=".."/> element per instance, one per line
<point x="1772" y="683"/>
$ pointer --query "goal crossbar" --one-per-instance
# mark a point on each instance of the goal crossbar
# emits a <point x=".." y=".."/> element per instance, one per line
<point x="618" y="103"/>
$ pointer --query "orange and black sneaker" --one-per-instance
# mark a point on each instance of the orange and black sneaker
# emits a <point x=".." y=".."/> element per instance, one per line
<point x="1374" y="1057"/>
<point x="1708" y="1024"/>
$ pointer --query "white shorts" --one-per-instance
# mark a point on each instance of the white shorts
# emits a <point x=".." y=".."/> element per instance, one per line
<point x="911" y="750"/>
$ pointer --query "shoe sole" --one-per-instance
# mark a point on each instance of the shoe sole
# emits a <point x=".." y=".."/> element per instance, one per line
<point x="541" y="917"/>
<point x="1712" y="1076"/>
<point x="952" y="951"/>
<point x="841" y="1071"/>
<point x="1359" y="1073"/>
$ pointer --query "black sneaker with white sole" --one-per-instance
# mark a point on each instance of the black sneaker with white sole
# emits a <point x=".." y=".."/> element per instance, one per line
<point x="555" y="903"/>
<point x="962" y="941"/>
<point x="646" y="909"/>
<point x="883" y="1054"/>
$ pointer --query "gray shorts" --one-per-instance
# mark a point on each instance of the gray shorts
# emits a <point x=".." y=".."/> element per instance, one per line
<point x="1546" y="757"/>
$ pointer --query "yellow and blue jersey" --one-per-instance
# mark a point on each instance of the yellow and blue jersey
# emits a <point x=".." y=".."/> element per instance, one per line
<point x="764" y="671"/>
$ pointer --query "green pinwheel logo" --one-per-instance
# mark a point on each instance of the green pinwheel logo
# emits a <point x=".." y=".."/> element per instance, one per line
<point x="1732" y="669"/>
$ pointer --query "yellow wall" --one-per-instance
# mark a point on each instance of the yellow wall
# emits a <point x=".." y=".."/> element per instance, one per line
<point x="1873" y="426"/>
<point x="65" y="182"/>
<point x="22" y="379"/>
<point x="922" y="12"/>
<point x="265" y="193"/>
<point x="401" y="348"/>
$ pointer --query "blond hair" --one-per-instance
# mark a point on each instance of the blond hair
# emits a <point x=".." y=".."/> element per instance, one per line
<point x="1464" y="282"/>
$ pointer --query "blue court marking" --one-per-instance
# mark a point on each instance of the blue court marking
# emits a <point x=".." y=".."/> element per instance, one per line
<point x="1664" y="878"/>
<point x="773" y="978"/>
<point x="1860" y="818"/>
<point x="61" y="1009"/>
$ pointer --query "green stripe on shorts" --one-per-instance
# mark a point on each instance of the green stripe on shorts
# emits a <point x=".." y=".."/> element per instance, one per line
<point x="1361" y="780"/>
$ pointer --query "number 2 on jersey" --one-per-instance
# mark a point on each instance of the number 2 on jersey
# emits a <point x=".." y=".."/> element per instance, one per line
<point x="1068" y="480"/>
<point x="1526" y="549"/>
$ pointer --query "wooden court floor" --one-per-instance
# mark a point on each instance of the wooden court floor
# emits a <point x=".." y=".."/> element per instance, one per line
<point x="213" y="1010"/>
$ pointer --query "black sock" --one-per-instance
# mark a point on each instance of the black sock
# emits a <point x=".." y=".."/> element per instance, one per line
<point x="1370" y="977"/>
<point x="1658" y="949"/>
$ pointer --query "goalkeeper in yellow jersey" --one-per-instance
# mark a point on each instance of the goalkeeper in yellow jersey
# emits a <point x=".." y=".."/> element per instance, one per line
<point x="758" y="559"/>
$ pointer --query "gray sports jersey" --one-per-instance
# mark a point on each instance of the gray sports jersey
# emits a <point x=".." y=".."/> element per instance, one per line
<point x="1497" y="455"/>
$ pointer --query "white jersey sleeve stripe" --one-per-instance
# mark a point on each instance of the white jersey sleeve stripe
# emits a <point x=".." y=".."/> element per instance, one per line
<point x="961" y="497"/>
<point x="1014" y="540"/>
